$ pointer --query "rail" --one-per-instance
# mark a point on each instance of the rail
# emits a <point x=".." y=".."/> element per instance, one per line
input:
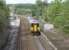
<point x="48" y="41"/>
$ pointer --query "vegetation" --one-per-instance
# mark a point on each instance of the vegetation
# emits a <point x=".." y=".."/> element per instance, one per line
<point x="56" y="12"/>
<point x="4" y="13"/>
<point x="23" y="9"/>
<point x="66" y="15"/>
<point x="37" y="9"/>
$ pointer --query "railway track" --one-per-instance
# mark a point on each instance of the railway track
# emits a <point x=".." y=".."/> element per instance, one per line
<point x="25" y="40"/>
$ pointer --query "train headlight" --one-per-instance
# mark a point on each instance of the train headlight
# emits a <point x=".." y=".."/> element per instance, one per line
<point x="31" y="28"/>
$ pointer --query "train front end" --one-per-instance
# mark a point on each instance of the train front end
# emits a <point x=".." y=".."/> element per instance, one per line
<point x="35" y="27"/>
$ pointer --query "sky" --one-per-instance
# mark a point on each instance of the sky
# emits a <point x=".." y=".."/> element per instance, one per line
<point x="21" y="1"/>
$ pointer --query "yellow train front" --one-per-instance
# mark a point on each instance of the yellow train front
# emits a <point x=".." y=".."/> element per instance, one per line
<point x="35" y="27"/>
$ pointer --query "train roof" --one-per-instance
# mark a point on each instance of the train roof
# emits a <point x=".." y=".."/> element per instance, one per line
<point x="33" y="21"/>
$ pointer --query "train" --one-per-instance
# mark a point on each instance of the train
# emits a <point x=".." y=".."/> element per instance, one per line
<point x="34" y="26"/>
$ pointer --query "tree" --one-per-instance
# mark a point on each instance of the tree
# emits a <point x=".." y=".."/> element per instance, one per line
<point x="37" y="9"/>
<point x="54" y="9"/>
<point x="66" y="15"/>
<point x="34" y="8"/>
<point x="4" y="13"/>
<point x="44" y="10"/>
<point x="58" y="13"/>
